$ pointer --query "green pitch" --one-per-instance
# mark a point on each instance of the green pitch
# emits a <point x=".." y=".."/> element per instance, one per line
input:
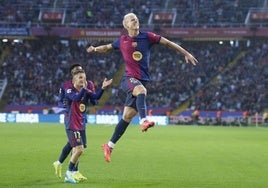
<point x="165" y="156"/>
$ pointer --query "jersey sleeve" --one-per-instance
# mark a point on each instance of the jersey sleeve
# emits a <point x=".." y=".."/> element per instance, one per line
<point x="92" y="89"/>
<point x="116" y="44"/>
<point x="91" y="86"/>
<point x="97" y="95"/>
<point x="72" y="95"/>
<point x="61" y="97"/>
<point x="153" y="38"/>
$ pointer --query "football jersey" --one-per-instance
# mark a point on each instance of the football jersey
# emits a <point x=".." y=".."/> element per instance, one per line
<point x="76" y="103"/>
<point x="62" y="99"/>
<point x="136" y="53"/>
<point x="76" y="107"/>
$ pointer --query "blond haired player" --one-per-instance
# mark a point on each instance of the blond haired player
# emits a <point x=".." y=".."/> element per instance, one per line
<point x="135" y="47"/>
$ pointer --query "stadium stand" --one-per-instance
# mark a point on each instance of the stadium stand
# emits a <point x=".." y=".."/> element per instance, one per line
<point x="107" y="14"/>
<point x="242" y="87"/>
<point x="40" y="64"/>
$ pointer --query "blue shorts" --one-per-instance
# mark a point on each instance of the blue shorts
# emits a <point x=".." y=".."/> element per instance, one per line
<point x="77" y="138"/>
<point x="127" y="85"/>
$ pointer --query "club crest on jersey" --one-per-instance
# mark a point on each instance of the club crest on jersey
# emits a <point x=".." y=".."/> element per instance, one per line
<point x="82" y="107"/>
<point x="133" y="80"/>
<point x="137" y="56"/>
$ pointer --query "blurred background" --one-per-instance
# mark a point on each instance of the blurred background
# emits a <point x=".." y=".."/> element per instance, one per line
<point x="41" y="39"/>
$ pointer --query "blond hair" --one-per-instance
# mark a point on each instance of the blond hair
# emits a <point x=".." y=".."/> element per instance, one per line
<point x="126" y="17"/>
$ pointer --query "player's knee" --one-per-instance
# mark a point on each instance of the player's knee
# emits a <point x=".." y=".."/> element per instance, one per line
<point x="80" y="150"/>
<point x="140" y="89"/>
<point x="127" y="117"/>
<point x="129" y="114"/>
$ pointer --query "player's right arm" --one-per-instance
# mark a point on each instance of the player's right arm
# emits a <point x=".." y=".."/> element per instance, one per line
<point x="71" y="94"/>
<point x="61" y="102"/>
<point x="100" y="49"/>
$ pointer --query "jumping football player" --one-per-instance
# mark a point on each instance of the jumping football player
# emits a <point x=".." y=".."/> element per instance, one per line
<point x="135" y="47"/>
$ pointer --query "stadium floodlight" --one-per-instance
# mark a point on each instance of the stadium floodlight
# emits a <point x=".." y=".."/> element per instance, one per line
<point x="17" y="40"/>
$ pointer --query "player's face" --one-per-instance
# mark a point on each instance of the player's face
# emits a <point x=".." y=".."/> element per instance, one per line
<point x="79" y="80"/>
<point x="132" y="22"/>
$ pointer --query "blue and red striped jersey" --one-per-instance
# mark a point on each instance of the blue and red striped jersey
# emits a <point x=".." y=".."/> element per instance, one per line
<point x="76" y="108"/>
<point x="136" y="53"/>
<point x="62" y="99"/>
<point x="76" y="104"/>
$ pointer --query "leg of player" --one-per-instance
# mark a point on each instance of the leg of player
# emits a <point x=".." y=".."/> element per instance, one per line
<point x="58" y="164"/>
<point x="77" y="139"/>
<point x="119" y="130"/>
<point x="77" y="175"/>
<point x="140" y="92"/>
<point x="70" y="174"/>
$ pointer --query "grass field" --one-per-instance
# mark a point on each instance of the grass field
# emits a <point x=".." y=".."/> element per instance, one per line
<point x="165" y="156"/>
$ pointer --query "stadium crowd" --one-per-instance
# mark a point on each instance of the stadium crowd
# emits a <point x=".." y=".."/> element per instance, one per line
<point x="206" y="13"/>
<point x="39" y="66"/>
<point x="108" y="14"/>
<point x="242" y="87"/>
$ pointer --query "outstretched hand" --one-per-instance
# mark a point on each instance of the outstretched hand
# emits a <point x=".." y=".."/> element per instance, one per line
<point x="90" y="49"/>
<point x="191" y="58"/>
<point x="106" y="83"/>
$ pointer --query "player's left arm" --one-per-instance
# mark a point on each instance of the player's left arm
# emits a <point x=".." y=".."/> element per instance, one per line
<point x="106" y="83"/>
<point x="98" y="94"/>
<point x="188" y="56"/>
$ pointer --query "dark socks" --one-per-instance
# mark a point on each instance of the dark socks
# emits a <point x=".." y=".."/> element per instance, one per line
<point x="141" y="105"/>
<point x="71" y="166"/>
<point x="76" y="166"/>
<point x="119" y="130"/>
<point x="65" y="152"/>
